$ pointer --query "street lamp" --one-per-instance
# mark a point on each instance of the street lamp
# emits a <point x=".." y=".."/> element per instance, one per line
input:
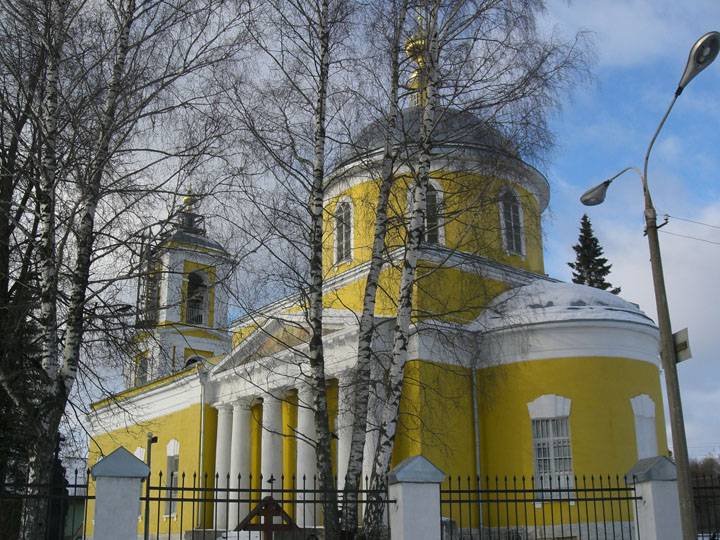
<point x="701" y="55"/>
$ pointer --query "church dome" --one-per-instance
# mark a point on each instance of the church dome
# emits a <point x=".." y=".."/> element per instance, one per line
<point x="453" y="127"/>
<point x="545" y="301"/>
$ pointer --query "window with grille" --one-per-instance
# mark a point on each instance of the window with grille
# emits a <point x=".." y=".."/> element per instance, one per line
<point x="197" y="292"/>
<point x="343" y="232"/>
<point x="553" y="456"/>
<point x="512" y="223"/>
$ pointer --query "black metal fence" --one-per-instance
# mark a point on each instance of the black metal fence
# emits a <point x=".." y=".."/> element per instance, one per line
<point x="517" y="508"/>
<point x="203" y="508"/>
<point x="706" y="494"/>
<point x="64" y="506"/>
<point x="508" y="508"/>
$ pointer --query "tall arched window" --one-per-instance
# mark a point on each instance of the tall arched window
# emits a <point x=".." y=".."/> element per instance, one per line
<point x="343" y="232"/>
<point x="511" y="215"/>
<point x="172" y="451"/>
<point x="196" y="298"/>
<point x="550" y="420"/>
<point x="432" y="215"/>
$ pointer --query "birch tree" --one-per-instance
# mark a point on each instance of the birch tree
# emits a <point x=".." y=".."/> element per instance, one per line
<point x="362" y="376"/>
<point x="88" y="91"/>
<point x="283" y="110"/>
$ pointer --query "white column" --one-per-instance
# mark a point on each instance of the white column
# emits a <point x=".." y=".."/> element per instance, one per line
<point x="240" y="460"/>
<point x="271" y="463"/>
<point x="306" y="458"/>
<point x="222" y="458"/>
<point x="343" y="427"/>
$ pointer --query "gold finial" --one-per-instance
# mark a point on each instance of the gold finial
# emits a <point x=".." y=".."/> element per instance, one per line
<point x="415" y="48"/>
<point x="189" y="201"/>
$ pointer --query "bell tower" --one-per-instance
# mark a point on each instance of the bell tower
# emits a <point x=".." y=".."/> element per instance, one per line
<point x="181" y="298"/>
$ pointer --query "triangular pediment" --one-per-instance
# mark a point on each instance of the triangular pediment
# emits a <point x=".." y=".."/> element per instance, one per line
<point x="278" y="335"/>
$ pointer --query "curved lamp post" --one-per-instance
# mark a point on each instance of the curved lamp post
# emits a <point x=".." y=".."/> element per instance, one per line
<point x="701" y="55"/>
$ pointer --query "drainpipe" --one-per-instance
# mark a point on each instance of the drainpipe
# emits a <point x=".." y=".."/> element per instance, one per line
<point x="476" y="426"/>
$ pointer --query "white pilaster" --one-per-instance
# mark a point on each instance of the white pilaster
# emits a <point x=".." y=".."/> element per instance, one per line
<point x="240" y="460"/>
<point x="222" y="457"/>
<point x="343" y="427"/>
<point x="306" y="458"/>
<point x="271" y="460"/>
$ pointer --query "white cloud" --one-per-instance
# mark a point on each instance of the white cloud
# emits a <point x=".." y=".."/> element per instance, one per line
<point x="635" y="32"/>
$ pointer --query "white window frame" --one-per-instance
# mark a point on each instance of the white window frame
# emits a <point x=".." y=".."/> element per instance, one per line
<point x="172" y="450"/>
<point x="350" y="224"/>
<point x="643" y="408"/>
<point x="548" y="412"/>
<point x="521" y="218"/>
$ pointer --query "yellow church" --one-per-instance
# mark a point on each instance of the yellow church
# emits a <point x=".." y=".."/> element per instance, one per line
<point x="509" y="371"/>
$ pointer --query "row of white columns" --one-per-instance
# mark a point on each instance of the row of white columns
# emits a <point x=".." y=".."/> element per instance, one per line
<point x="232" y="450"/>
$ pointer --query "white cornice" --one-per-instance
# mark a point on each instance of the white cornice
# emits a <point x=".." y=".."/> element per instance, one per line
<point x="146" y="406"/>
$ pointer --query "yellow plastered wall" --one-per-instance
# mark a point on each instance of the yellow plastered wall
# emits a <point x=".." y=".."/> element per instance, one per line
<point x="436" y="417"/>
<point x="350" y="296"/>
<point x="602" y="428"/>
<point x="184" y="427"/>
<point x="601" y="418"/>
<point x="443" y="293"/>
<point x="452" y="294"/>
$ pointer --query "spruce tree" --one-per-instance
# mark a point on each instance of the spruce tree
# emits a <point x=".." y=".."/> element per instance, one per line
<point x="590" y="267"/>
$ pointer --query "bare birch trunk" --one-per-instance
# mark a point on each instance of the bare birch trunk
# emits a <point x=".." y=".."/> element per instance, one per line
<point x="388" y="427"/>
<point x="62" y="372"/>
<point x="35" y="509"/>
<point x="353" y="477"/>
<point x="316" y="352"/>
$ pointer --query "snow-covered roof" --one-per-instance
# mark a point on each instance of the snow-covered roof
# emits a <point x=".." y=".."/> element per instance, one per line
<point x="546" y="301"/>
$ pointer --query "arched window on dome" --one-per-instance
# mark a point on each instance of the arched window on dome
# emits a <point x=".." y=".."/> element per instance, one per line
<point x="343" y="232"/>
<point x="197" y="298"/>
<point x="552" y="451"/>
<point x="511" y="223"/>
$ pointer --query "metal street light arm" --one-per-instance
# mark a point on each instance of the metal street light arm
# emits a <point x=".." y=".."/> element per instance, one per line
<point x="644" y="175"/>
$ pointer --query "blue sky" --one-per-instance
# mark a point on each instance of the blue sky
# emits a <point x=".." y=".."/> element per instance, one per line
<point x="642" y="47"/>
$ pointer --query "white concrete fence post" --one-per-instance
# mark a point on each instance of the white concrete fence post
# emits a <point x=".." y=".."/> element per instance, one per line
<point x="118" y="480"/>
<point x="659" y="510"/>
<point x="414" y="485"/>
